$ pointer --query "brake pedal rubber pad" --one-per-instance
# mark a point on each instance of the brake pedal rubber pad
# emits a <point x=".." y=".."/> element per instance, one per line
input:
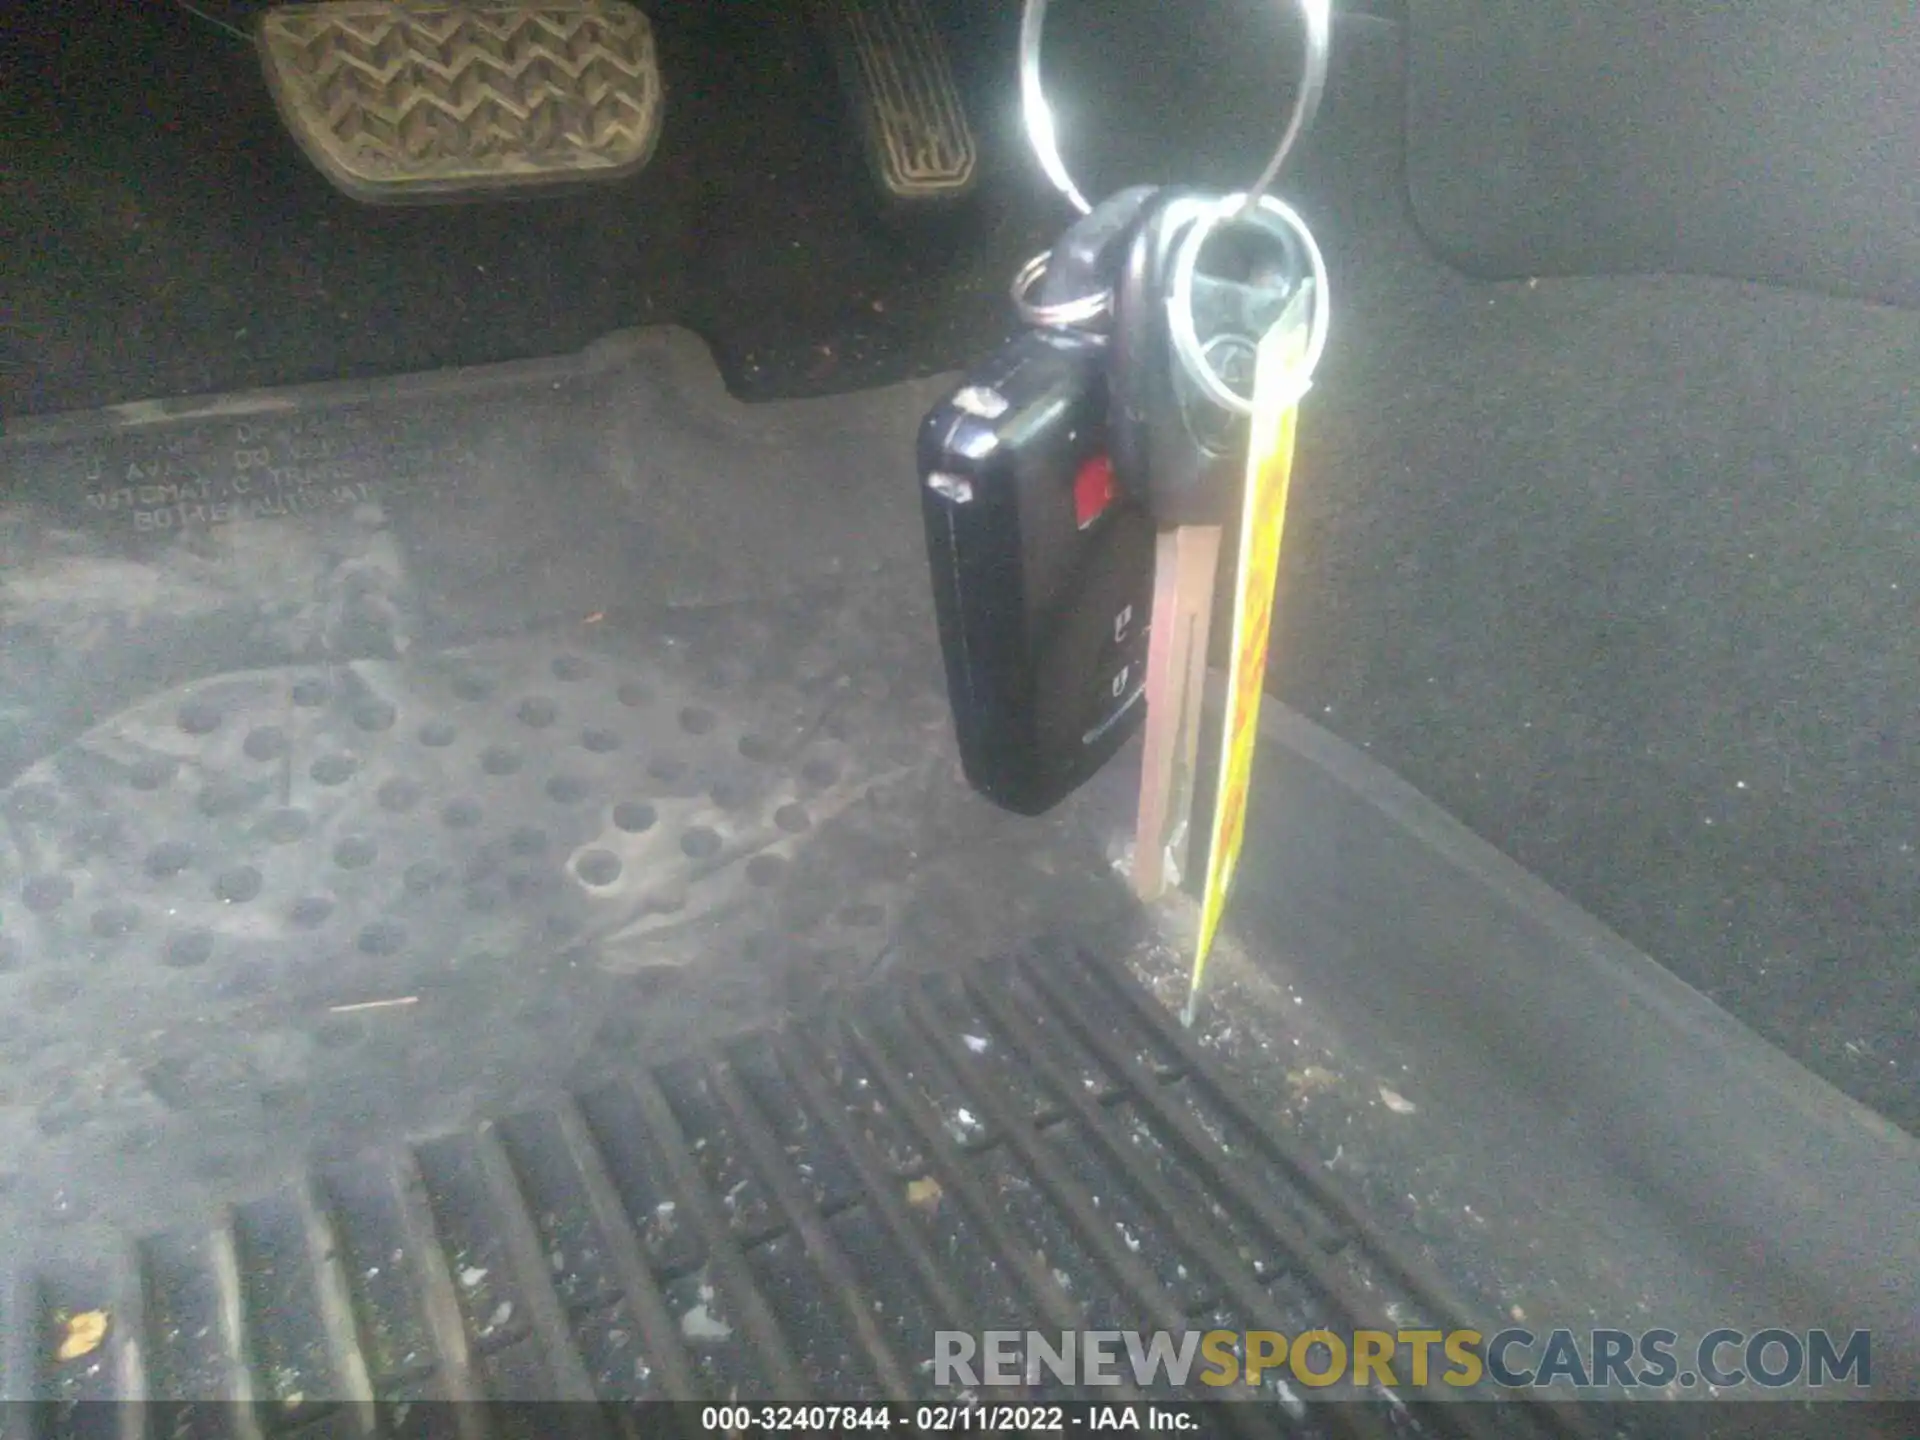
<point x="416" y="103"/>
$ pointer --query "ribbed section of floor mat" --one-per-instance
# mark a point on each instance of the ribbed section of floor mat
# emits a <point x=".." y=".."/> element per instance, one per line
<point x="1029" y="1144"/>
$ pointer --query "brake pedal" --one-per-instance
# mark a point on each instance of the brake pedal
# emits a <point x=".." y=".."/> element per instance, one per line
<point x="894" y="71"/>
<point x="436" y="101"/>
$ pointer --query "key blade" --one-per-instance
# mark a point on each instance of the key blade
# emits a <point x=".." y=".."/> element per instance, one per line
<point x="1186" y="567"/>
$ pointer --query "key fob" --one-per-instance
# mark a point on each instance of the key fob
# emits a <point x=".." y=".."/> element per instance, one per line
<point x="1174" y="450"/>
<point x="1042" y="573"/>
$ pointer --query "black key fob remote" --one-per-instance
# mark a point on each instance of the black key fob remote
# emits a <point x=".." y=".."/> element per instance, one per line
<point x="1042" y="572"/>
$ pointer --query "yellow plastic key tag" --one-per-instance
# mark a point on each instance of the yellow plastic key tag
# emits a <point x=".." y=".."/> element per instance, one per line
<point x="1276" y="408"/>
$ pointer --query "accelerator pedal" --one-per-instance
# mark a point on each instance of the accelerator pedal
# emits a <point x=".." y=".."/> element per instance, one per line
<point x="894" y="71"/>
<point x="416" y="102"/>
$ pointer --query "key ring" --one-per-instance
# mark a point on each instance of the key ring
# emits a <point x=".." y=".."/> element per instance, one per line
<point x="1038" y="114"/>
<point x="1265" y="211"/>
<point x="1063" y="315"/>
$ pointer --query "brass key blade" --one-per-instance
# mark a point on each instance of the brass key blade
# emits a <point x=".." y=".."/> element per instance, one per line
<point x="1186" y="567"/>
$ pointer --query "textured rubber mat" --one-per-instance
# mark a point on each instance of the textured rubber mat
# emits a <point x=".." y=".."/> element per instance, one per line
<point x="783" y="1215"/>
<point x="376" y="756"/>
<point x="421" y="102"/>
<point x="913" y="120"/>
<point x="489" y="903"/>
<point x="443" y="822"/>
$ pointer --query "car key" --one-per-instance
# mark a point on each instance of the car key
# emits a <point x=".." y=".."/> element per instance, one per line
<point x="1183" y="456"/>
<point x="1042" y="571"/>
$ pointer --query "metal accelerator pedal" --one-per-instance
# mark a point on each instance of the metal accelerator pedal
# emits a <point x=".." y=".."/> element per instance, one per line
<point x="895" y="74"/>
<point x="410" y="103"/>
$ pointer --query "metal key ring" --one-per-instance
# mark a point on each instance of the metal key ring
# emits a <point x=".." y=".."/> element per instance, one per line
<point x="1038" y="114"/>
<point x="1180" y="322"/>
<point x="1064" y="314"/>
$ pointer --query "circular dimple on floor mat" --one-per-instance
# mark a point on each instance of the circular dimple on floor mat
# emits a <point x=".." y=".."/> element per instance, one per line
<point x="268" y="742"/>
<point x="309" y="912"/>
<point x="168" y="859"/>
<point x="355" y="852"/>
<point x="188" y="949"/>
<point x="374" y="715"/>
<point x="44" y="894"/>
<point x="598" y="867"/>
<point x="537" y="712"/>
<point x="382" y="937"/>
<point x="399" y="795"/>
<point x="501" y="760"/>
<point x="94" y="835"/>
<point x="238" y="885"/>
<point x="152" y="772"/>
<point x="634" y="818"/>
<point x="110" y="922"/>
<point x="333" y="769"/>
<point x="423" y="877"/>
<point x="567" y="789"/>
<point x="225" y="795"/>
<point x="199" y="717"/>
<point x="338" y="1033"/>
<point x="284" y="827"/>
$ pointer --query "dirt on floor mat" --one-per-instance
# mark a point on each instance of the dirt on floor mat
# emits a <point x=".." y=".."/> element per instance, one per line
<point x="1029" y="1144"/>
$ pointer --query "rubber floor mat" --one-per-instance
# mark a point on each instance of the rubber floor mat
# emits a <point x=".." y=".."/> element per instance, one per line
<point x="1029" y="1144"/>
<point x="427" y="806"/>
<point x="379" y="756"/>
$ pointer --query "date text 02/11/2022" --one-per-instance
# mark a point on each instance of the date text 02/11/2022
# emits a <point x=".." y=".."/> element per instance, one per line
<point x="944" y="1419"/>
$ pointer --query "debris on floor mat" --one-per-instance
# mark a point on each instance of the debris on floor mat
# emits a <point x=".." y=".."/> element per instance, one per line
<point x="1025" y="1144"/>
<point x="489" y="907"/>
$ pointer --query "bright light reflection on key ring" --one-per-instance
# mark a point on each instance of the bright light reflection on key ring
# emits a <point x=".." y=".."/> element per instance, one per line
<point x="1041" y="135"/>
<point x="1270" y="215"/>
